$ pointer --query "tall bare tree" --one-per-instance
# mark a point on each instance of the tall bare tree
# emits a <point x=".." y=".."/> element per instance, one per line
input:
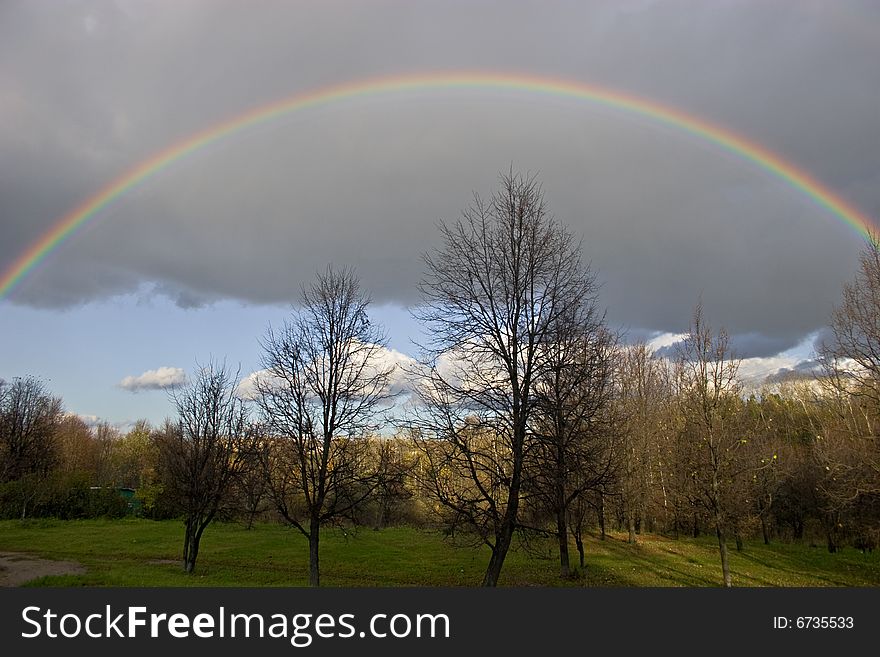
<point x="504" y="276"/>
<point x="323" y="383"/>
<point x="709" y="396"/>
<point x="852" y="357"/>
<point x="572" y="452"/>
<point x="851" y="362"/>
<point x="204" y="449"/>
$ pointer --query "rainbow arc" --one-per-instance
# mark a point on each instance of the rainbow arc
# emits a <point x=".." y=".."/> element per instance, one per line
<point x="721" y="137"/>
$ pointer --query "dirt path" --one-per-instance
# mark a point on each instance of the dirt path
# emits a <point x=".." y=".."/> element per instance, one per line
<point x="16" y="568"/>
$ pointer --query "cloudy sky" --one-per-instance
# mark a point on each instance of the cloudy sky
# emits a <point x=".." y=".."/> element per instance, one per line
<point x="199" y="259"/>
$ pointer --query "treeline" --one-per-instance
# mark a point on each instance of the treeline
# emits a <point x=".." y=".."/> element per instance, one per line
<point x="54" y="464"/>
<point x="527" y="419"/>
<point x="79" y="469"/>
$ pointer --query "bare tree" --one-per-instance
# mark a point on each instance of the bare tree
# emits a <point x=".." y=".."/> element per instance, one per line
<point x="504" y="276"/>
<point x="852" y="358"/>
<point x="643" y="395"/>
<point x="709" y="395"/>
<point x="29" y="421"/>
<point x="769" y="433"/>
<point x="251" y="487"/>
<point x="852" y="377"/>
<point x="846" y="459"/>
<point x="203" y="451"/>
<point x="323" y="384"/>
<point x="574" y="429"/>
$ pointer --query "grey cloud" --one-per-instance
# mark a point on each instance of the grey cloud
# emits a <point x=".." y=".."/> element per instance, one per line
<point x="757" y="345"/>
<point x="669" y="351"/>
<point x="823" y="337"/>
<point x="185" y="298"/>
<point x="804" y="371"/>
<point x="743" y="345"/>
<point x="89" y="90"/>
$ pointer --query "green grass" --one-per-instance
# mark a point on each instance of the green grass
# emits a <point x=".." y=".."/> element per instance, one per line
<point x="147" y="553"/>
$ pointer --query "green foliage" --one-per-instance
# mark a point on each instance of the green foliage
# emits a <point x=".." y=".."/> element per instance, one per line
<point x="66" y="497"/>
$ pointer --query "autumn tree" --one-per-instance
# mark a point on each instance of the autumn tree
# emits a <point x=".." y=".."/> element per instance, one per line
<point x="392" y="466"/>
<point x="78" y="452"/>
<point x="134" y="459"/>
<point x="643" y="395"/>
<point x="323" y="382"/>
<point x="502" y="278"/>
<point x="29" y="421"/>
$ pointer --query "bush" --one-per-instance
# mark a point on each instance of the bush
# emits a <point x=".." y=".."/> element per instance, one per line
<point x="67" y="497"/>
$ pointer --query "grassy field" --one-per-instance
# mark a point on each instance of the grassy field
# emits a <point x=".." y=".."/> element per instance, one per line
<point x="146" y="553"/>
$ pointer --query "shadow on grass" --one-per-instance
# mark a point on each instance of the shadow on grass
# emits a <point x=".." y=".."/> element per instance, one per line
<point x="817" y="569"/>
<point x="647" y="560"/>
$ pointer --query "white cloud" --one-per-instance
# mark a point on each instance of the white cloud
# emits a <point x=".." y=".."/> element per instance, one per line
<point x="661" y="340"/>
<point x="401" y="381"/>
<point x="90" y="421"/>
<point x="158" y="379"/>
<point x="247" y="387"/>
<point x="403" y="378"/>
<point x="754" y="371"/>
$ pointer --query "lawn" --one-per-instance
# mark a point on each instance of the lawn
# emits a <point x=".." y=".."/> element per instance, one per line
<point x="146" y="553"/>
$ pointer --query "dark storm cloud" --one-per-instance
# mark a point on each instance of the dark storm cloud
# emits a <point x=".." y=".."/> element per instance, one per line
<point x="758" y="345"/>
<point x="88" y="90"/>
<point x="748" y="345"/>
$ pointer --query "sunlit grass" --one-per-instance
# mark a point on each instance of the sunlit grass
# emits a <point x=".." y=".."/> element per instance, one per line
<point x="147" y="553"/>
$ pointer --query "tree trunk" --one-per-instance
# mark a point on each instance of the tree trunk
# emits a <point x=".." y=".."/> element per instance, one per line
<point x="830" y="524"/>
<point x="765" y="532"/>
<point x="562" y="535"/>
<point x="722" y="546"/>
<point x="579" y="542"/>
<point x="499" y="552"/>
<point x="631" y="525"/>
<point x="504" y="534"/>
<point x="187" y="534"/>
<point x="832" y="546"/>
<point x="380" y="516"/>
<point x="191" y="540"/>
<point x="601" y="515"/>
<point x="739" y="541"/>
<point x="26" y="501"/>
<point x="314" y="566"/>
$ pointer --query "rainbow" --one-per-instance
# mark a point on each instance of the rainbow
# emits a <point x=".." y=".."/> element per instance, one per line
<point x="486" y="81"/>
